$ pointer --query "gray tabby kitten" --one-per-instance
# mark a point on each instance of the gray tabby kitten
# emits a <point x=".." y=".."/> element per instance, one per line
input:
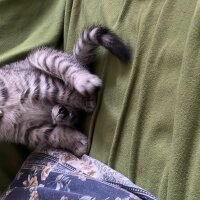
<point x="40" y="96"/>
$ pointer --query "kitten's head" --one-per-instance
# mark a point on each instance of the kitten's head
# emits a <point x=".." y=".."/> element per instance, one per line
<point x="64" y="115"/>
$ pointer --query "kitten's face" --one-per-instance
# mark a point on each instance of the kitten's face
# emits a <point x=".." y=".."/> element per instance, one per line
<point x="64" y="115"/>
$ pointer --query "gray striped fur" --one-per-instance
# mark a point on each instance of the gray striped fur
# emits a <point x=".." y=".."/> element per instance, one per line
<point x="40" y="96"/>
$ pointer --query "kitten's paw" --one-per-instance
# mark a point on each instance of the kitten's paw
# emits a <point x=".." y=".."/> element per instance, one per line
<point x="80" y="146"/>
<point x="87" y="84"/>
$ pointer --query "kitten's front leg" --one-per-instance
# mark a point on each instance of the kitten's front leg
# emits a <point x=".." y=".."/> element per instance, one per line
<point x="67" y="96"/>
<point x="57" y="137"/>
<point x="67" y="138"/>
<point x="65" y="67"/>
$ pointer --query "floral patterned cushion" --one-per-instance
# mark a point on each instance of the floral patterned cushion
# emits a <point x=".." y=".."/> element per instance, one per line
<point x="59" y="175"/>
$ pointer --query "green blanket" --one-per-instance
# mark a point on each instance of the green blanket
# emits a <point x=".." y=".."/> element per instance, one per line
<point x="146" y="124"/>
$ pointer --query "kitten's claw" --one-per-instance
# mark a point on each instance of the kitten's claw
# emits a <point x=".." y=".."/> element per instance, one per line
<point x="87" y="84"/>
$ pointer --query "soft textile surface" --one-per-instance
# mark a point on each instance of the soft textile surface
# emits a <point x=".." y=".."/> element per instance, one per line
<point x="146" y="125"/>
<point x="58" y="175"/>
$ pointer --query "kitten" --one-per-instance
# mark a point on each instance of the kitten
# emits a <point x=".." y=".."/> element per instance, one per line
<point x="40" y="96"/>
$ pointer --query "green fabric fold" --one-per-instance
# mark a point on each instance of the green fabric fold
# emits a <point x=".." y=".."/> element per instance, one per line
<point x="146" y="124"/>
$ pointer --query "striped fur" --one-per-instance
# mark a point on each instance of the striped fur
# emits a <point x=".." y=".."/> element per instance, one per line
<point x="40" y="96"/>
<point x="95" y="36"/>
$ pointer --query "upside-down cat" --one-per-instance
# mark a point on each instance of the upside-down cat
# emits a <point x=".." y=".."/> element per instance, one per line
<point x="40" y="95"/>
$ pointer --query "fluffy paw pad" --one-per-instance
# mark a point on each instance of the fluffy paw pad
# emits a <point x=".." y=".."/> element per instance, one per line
<point x="87" y="84"/>
<point x="80" y="146"/>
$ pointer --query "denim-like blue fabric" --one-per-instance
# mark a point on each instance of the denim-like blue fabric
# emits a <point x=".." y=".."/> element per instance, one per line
<point x="44" y="177"/>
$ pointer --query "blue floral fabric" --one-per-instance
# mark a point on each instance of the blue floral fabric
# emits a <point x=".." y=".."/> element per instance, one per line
<point x="59" y="175"/>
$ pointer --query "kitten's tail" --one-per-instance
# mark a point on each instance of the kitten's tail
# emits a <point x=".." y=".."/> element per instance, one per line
<point x="93" y="37"/>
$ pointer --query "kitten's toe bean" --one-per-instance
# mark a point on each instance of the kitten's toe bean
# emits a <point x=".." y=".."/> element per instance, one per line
<point x="80" y="146"/>
<point x="88" y="84"/>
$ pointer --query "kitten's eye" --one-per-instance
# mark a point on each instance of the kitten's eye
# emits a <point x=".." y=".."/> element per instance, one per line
<point x="63" y="111"/>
